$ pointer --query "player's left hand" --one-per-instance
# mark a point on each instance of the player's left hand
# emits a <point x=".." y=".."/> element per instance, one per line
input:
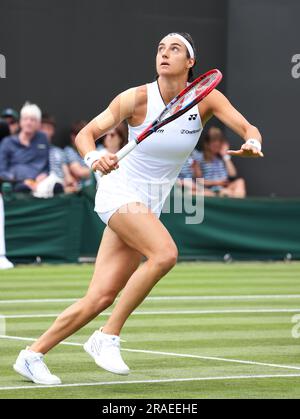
<point x="246" y="151"/>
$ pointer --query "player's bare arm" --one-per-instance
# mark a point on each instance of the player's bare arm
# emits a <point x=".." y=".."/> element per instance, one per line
<point x="129" y="105"/>
<point x="216" y="104"/>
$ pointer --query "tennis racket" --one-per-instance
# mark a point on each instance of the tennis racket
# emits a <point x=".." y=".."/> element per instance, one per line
<point x="186" y="100"/>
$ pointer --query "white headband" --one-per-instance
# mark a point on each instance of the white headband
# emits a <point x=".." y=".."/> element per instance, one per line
<point x="186" y="43"/>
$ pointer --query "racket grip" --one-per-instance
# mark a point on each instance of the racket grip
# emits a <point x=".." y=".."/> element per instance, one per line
<point x="126" y="150"/>
<point x="123" y="153"/>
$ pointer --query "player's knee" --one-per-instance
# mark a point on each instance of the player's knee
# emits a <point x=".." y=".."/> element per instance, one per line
<point x="166" y="259"/>
<point x="101" y="302"/>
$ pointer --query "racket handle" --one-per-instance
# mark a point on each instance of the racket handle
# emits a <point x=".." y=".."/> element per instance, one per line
<point x="126" y="150"/>
<point x="123" y="153"/>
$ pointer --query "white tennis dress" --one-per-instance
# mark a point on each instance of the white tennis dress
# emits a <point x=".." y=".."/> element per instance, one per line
<point x="149" y="172"/>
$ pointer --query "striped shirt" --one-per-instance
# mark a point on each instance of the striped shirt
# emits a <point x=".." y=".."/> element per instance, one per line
<point x="57" y="160"/>
<point x="187" y="171"/>
<point x="72" y="156"/>
<point x="212" y="170"/>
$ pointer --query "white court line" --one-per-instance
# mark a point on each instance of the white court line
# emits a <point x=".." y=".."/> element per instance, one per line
<point x="203" y="358"/>
<point x="2" y="326"/>
<point x="156" y="313"/>
<point x="171" y="380"/>
<point x="166" y="298"/>
<point x="43" y="300"/>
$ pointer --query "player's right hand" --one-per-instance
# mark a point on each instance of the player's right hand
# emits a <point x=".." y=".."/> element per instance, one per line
<point x="106" y="164"/>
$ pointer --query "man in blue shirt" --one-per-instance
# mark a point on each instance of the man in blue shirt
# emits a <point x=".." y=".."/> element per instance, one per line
<point x="25" y="157"/>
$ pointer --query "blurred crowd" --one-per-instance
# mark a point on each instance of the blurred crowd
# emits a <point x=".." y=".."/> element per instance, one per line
<point x="215" y="168"/>
<point x="31" y="163"/>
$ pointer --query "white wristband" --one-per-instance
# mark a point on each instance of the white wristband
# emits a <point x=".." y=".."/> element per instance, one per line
<point x="254" y="143"/>
<point x="227" y="157"/>
<point x="93" y="156"/>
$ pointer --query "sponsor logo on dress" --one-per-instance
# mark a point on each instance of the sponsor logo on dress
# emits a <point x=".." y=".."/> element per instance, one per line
<point x="193" y="117"/>
<point x="186" y="131"/>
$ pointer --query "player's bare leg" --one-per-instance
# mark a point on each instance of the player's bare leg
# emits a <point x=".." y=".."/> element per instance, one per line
<point x="142" y="231"/>
<point x="116" y="262"/>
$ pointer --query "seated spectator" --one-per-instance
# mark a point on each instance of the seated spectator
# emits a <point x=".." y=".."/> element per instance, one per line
<point x="116" y="139"/>
<point x="189" y="173"/>
<point x="12" y="118"/>
<point x="217" y="168"/>
<point x="4" y="262"/>
<point x="24" y="157"/>
<point x="57" y="158"/>
<point x="4" y="129"/>
<point x="78" y="169"/>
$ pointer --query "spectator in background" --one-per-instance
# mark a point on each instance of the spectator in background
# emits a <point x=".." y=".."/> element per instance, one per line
<point x="76" y="164"/>
<point x="12" y="118"/>
<point x="4" y="130"/>
<point x="189" y="173"/>
<point x="217" y="168"/>
<point x="24" y="157"/>
<point x="4" y="262"/>
<point x="116" y="138"/>
<point x="57" y="157"/>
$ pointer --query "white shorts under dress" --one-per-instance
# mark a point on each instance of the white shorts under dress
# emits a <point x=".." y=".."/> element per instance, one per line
<point x="149" y="172"/>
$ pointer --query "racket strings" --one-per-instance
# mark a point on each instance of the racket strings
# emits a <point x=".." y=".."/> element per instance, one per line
<point x="190" y="96"/>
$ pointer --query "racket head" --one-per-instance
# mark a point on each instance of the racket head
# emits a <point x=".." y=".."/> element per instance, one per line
<point x="193" y="94"/>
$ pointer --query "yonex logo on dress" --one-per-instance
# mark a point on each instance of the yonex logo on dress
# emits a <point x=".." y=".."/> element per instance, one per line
<point x="193" y="117"/>
<point x="186" y="131"/>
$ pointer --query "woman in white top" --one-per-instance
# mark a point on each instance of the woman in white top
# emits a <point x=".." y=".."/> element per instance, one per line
<point x="130" y="199"/>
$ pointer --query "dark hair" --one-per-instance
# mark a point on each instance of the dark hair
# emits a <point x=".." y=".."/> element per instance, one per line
<point x="189" y="38"/>
<point x="77" y="127"/>
<point x="212" y="134"/>
<point x="121" y="131"/>
<point x="4" y="129"/>
<point x="48" y="119"/>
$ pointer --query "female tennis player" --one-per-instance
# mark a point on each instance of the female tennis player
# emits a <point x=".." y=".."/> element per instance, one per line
<point x="129" y="201"/>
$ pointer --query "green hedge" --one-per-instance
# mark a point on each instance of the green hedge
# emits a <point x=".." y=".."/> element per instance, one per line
<point x="65" y="228"/>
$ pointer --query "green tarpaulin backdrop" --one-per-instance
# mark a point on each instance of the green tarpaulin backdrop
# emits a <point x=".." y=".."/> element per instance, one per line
<point x="65" y="228"/>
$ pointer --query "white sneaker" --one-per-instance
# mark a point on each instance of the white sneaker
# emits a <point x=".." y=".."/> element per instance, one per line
<point x="105" y="350"/>
<point x="5" y="263"/>
<point x="31" y="366"/>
